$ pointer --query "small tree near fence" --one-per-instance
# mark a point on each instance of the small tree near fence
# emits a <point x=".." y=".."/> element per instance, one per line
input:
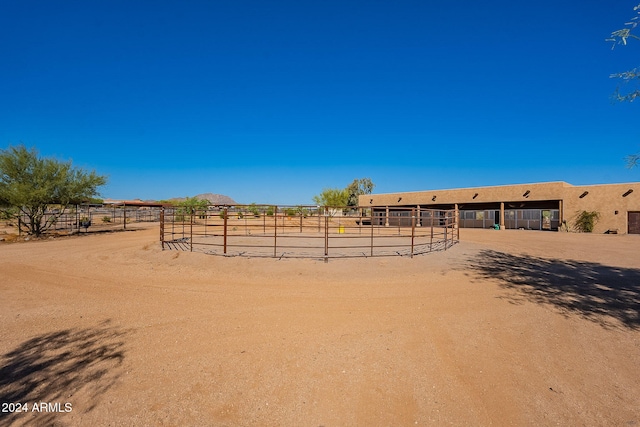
<point x="191" y="205"/>
<point x="29" y="185"/>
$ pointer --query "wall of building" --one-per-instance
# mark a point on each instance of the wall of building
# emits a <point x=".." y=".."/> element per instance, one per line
<point x="608" y="200"/>
<point x="611" y="201"/>
<point x="506" y="193"/>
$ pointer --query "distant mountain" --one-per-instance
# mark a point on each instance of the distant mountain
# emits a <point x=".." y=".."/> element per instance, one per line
<point x="217" y="199"/>
<point x="214" y="199"/>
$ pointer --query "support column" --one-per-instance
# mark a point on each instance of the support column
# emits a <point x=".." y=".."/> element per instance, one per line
<point x="560" y="208"/>
<point x="502" y="227"/>
<point x="386" y="218"/>
<point x="456" y="214"/>
<point x="418" y="217"/>
<point x="560" y="214"/>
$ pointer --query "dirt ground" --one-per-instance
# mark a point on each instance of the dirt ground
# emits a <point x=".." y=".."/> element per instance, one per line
<point x="505" y="328"/>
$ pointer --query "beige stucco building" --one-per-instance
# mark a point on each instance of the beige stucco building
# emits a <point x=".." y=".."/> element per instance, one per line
<point x="539" y="206"/>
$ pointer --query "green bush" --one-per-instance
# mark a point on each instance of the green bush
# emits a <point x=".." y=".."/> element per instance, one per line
<point x="586" y="221"/>
<point x="254" y="209"/>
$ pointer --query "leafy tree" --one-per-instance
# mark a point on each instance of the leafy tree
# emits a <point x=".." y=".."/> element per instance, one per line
<point x="31" y="184"/>
<point x="190" y="205"/>
<point x="357" y="188"/>
<point x="193" y="203"/>
<point x="332" y="197"/>
<point x="347" y="196"/>
<point x="631" y="76"/>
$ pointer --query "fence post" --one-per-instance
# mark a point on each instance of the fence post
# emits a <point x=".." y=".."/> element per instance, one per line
<point x="173" y="223"/>
<point x="413" y="229"/>
<point x="275" y="231"/>
<point x="162" y="227"/>
<point x="326" y="236"/>
<point x="446" y="228"/>
<point x="431" y="241"/>
<point x="191" y="231"/>
<point x="371" y="231"/>
<point x="225" y="214"/>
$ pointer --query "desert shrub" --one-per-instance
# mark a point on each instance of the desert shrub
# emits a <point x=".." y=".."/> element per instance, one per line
<point x="254" y="209"/>
<point x="586" y="221"/>
<point x="106" y="219"/>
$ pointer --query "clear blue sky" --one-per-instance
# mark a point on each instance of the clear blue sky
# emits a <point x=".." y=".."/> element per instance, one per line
<point x="272" y="101"/>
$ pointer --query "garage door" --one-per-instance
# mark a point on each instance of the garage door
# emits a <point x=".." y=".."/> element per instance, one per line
<point x="634" y="222"/>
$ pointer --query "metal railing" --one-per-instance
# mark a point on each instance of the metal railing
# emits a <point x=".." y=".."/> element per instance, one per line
<point x="306" y="231"/>
<point x="88" y="218"/>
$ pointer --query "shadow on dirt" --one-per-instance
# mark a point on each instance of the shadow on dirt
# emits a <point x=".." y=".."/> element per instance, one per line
<point x="53" y="367"/>
<point x="594" y="291"/>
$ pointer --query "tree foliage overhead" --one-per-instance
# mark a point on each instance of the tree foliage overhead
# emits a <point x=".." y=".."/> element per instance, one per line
<point x="621" y="36"/>
<point x="30" y="184"/>
<point x="632" y="76"/>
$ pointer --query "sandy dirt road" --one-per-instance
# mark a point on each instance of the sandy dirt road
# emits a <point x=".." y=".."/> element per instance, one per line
<point x="505" y="328"/>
